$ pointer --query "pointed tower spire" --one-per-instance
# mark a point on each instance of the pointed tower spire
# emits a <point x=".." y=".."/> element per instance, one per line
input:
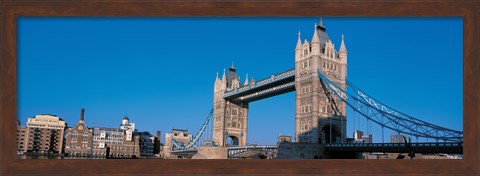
<point x="343" y="49"/>
<point x="321" y="22"/>
<point x="246" y="80"/>
<point x="223" y="77"/>
<point x="232" y="67"/>
<point x="299" y="42"/>
<point x="216" y="78"/>
<point x="315" y="38"/>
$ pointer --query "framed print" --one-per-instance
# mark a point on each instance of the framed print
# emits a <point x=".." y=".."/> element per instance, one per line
<point x="108" y="71"/>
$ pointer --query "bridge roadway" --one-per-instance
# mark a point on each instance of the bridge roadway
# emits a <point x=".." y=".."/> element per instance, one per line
<point x="449" y="147"/>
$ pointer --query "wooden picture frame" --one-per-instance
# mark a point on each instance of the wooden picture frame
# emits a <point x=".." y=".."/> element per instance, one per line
<point x="11" y="10"/>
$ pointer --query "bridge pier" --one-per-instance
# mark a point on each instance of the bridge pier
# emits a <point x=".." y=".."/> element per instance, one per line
<point x="300" y="151"/>
<point x="211" y="152"/>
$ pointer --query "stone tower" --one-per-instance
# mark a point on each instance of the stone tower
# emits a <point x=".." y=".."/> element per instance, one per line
<point x="319" y="118"/>
<point x="230" y="118"/>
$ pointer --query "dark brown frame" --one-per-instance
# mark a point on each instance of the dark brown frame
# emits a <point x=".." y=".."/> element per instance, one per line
<point x="11" y="10"/>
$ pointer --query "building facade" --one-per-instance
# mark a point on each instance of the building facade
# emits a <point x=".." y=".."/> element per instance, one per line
<point x="320" y="115"/>
<point x="146" y="143"/>
<point x="358" y="136"/>
<point x="399" y="138"/>
<point x="367" y="138"/>
<point x="114" y="140"/>
<point x="284" y="139"/>
<point x="44" y="134"/>
<point x="78" y="140"/>
<point x="117" y="142"/>
<point x="128" y="127"/>
<point x="22" y="139"/>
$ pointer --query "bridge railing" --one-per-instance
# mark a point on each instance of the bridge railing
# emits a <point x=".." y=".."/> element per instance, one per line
<point x="235" y="151"/>
<point x="431" y="144"/>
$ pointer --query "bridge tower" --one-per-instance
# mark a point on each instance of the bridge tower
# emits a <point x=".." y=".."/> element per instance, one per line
<point x="319" y="118"/>
<point x="230" y="118"/>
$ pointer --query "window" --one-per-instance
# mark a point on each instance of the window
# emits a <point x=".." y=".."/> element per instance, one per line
<point x="234" y="111"/>
<point x="74" y="136"/>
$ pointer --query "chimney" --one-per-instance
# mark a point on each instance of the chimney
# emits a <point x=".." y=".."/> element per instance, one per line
<point x="159" y="135"/>
<point x="82" y="114"/>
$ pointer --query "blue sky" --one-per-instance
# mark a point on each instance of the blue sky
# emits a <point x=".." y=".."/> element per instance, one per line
<point x="160" y="71"/>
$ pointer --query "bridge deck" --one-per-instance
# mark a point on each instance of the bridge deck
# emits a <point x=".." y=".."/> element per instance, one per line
<point x="274" y="85"/>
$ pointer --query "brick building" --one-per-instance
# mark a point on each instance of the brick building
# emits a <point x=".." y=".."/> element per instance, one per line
<point x="79" y="138"/>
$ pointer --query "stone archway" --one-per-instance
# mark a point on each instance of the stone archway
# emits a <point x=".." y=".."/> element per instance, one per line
<point x="325" y="134"/>
<point x="231" y="141"/>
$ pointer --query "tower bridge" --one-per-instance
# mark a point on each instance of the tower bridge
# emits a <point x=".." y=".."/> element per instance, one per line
<point x="322" y="95"/>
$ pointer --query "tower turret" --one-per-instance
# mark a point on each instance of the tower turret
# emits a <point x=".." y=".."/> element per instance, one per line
<point x="224" y="80"/>
<point x="298" y="48"/>
<point x="315" y="41"/>
<point x="343" y="51"/>
<point x="246" y="80"/>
